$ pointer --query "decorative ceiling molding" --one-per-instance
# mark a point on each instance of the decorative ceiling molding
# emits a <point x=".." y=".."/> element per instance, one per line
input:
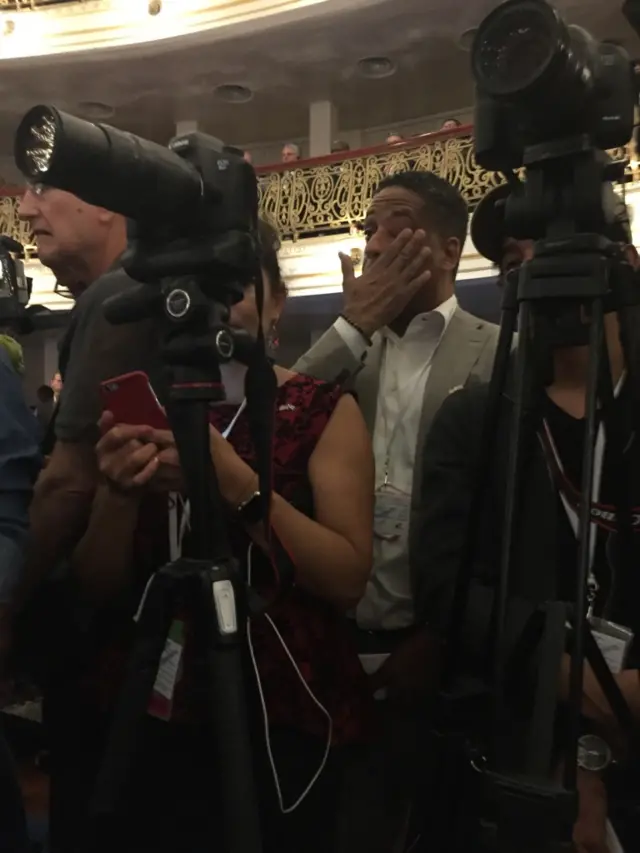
<point x="19" y="5"/>
<point x="47" y="28"/>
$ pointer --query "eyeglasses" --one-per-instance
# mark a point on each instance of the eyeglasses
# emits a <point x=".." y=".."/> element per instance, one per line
<point x="36" y="188"/>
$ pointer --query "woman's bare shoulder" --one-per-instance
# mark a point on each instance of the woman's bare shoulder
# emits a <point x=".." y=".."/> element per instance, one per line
<point x="282" y="374"/>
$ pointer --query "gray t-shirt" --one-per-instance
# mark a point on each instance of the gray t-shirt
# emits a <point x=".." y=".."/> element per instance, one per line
<point x="93" y="350"/>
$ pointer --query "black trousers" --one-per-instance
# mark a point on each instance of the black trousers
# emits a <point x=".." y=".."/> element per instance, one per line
<point x="13" y="825"/>
<point x="173" y="797"/>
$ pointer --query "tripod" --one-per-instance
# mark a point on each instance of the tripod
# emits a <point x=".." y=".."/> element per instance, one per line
<point x="206" y="581"/>
<point x="493" y="783"/>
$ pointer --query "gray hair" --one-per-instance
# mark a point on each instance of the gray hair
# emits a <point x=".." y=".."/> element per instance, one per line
<point x="292" y="147"/>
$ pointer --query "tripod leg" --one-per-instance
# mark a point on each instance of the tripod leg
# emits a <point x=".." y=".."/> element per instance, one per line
<point x="476" y="515"/>
<point x="228" y="709"/>
<point x="596" y="344"/>
<point x="521" y="433"/>
<point x="131" y="708"/>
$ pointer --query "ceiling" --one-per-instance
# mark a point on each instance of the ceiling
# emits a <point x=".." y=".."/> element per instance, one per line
<point x="16" y="5"/>
<point x="286" y="66"/>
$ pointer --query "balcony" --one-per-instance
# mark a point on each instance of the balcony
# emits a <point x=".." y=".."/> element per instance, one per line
<point x="331" y="194"/>
<point x="316" y="205"/>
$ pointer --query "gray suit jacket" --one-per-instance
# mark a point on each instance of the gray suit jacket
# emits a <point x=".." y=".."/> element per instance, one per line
<point x="466" y="350"/>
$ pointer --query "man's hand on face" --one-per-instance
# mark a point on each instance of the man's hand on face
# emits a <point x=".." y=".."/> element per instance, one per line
<point x="388" y="283"/>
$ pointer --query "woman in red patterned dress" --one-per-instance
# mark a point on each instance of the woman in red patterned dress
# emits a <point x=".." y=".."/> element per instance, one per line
<point x="311" y="687"/>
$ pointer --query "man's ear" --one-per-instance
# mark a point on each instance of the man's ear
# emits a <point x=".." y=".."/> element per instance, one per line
<point x="452" y="252"/>
<point x="631" y="256"/>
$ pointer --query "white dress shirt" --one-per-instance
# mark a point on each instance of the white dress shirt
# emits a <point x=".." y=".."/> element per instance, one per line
<point x="404" y="372"/>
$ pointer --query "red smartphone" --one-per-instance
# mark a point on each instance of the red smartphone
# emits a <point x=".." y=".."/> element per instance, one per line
<point x="132" y="400"/>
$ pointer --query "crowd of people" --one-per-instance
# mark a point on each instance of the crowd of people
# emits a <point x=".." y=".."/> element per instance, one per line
<point x="376" y="447"/>
<point x="291" y="151"/>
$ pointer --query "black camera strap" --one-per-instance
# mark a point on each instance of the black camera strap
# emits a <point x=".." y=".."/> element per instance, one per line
<point x="261" y="388"/>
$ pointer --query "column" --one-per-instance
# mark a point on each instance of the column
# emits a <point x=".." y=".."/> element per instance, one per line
<point x="323" y="124"/>
<point x="184" y="126"/>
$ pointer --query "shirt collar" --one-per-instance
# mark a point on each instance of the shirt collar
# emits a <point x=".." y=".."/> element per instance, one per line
<point x="423" y="323"/>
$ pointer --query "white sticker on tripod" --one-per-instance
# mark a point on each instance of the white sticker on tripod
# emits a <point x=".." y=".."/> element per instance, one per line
<point x="161" y="704"/>
<point x="165" y="683"/>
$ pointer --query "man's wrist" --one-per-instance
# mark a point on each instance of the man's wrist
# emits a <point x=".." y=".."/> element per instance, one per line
<point x="360" y="326"/>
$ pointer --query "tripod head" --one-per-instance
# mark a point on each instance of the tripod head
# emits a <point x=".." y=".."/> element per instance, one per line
<point x="567" y="206"/>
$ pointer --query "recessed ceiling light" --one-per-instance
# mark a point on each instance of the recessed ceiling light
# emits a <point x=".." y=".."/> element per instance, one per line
<point x="376" y="67"/>
<point x="95" y="110"/>
<point x="233" y="93"/>
<point x="465" y="40"/>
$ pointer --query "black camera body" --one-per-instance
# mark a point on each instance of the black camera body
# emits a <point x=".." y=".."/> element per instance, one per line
<point x="214" y="236"/>
<point x="539" y="80"/>
<point x="15" y="286"/>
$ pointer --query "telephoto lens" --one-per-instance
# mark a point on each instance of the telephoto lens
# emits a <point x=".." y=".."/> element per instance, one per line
<point x="107" y="167"/>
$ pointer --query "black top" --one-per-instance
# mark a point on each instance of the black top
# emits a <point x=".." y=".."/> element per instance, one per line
<point x="568" y="437"/>
<point x="94" y="350"/>
<point x="546" y="553"/>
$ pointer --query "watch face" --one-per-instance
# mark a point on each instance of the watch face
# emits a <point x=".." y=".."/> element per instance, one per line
<point x="594" y="753"/>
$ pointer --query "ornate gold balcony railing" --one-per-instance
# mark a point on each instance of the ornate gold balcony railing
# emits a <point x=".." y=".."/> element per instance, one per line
<point x="10" y="223"/>
<point x="332" y="193"/>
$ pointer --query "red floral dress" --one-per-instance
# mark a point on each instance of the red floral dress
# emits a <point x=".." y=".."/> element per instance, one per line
<point x="315" y="632"/>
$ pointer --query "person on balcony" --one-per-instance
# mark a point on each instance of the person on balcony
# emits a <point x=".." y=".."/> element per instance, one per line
<point x="451" y="124"/>
<point x="406" y="342"/>
<point x="290" y="152"/>
<point x="394" y="138"/>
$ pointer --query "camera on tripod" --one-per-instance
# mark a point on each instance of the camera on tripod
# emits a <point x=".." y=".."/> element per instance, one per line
<point x="539" y="80"/>
<point x="549" y="99"/>
<point x="192" y="212"/>
<point x="15" y="286"/>
<point x="193" y="205"/>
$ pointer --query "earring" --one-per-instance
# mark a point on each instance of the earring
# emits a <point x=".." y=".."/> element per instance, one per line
<point x="272" y="337"/>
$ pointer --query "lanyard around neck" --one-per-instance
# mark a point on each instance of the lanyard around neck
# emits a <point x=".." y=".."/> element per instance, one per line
<point x="409" y="390"/>
<point x="571" y="513"/>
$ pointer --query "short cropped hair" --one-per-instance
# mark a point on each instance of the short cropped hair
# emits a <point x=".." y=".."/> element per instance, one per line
<point x="444" y="205"/>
